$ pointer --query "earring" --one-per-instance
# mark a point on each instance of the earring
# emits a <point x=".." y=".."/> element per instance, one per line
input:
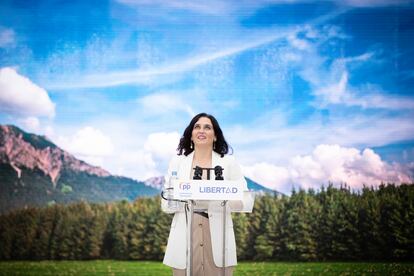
<point x="214" y="145"/>
<point x="191" y="145"/>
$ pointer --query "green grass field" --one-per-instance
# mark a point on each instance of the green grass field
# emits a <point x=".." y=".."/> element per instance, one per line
<point x="140" y="268"/>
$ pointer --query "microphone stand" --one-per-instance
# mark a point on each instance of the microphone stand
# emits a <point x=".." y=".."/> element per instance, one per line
<point x="198" y="172"/>
<point x="189" y="211"/>
<point x="224" y="204"/>
<point x="219" y="176"/>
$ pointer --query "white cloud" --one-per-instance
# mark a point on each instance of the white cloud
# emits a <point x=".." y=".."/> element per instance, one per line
<point x="20" y="96"/>
<point x="350" y="3"/>
<point x="373" y="3"/>
<point x="333" y="93"/>
<point x="213" y="7"/>
<point x="88" y="144"/>
<point x="331" y="84"/>
<point x="269" y="175"/>
<point x="162" y="145"/>
<point x="137" y="164"/>
<point x="299" y="43"/>
<point x="372" y="96"/>
<point x="141" y="155"/>
<point x="162" y="69"/>
<point x="155" y="73"/>
<point x="329" y="163"/>
<point x="35" y="125"/>
<point x="124" y="153"/>
<point x="367" y="96"/>
<point x="362" y="57"/>
<point x="271" y="139"/>
<point x="243" y="8"/>
<point x="159" y="148"/>
<point x="346" y="165"/>
<point x="143" y="159"/>
<point x="7" y="37"/>
<point x="31" y="124"/>
<point x="160" y="103"/>
<point x="148" y="157"/>
<point x="291" y="57"/>
<point x="49" y="131"/>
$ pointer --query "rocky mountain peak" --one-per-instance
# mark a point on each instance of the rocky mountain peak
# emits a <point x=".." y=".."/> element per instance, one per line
<point x="25" y="150"/>
<point x="156" y="182"/>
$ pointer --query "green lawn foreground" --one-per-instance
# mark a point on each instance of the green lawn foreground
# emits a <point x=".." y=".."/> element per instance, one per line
<point x="142" y="268"/>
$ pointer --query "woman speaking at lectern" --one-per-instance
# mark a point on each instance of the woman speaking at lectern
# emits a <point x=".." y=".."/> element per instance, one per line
<point x="202" y="146"/>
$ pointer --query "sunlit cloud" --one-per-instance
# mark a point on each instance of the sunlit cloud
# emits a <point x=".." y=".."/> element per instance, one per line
<point x="20" y="96"/>
<point x="329" y="164"/>
<point x="276" y="141"/>
<point x="88" y="144"/>
<point x="147" y="159"/>
<point x="31" y="124"/>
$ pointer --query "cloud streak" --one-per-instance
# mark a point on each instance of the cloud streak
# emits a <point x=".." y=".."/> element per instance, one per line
<point x="147" y="75"/>
<point x="367" y="96"/>
<point x="331" y="84"/>
<point x="221" y="8"/>
<point x="201" y="7"/>
<point x="169" y="69"/>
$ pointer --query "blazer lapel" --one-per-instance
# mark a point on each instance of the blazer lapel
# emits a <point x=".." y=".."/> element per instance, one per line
<point x="185" y="167"/>
<point x="215" y="159"/>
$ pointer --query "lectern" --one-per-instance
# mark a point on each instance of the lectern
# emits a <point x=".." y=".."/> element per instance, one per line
<point x="217" y="190"/>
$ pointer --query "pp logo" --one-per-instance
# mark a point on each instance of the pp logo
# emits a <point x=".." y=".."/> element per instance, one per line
<point x="185" y="186"/>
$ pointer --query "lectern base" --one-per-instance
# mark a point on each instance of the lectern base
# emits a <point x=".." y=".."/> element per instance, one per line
<point x="202" y="253"/>
<point x="181" y="272"/>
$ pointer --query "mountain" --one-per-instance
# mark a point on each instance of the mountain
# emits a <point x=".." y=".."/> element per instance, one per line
<point x="158" y="182"/>
<point x="36" y="172"/>
<point x="155" y="182"/>
<point x="254" y="186"/>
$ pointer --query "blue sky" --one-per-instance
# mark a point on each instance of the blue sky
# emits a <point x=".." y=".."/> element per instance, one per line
<point x="306" y="92"/>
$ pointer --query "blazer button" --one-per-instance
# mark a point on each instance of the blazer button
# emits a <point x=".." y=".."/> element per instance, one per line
<point x="201" y="244"/>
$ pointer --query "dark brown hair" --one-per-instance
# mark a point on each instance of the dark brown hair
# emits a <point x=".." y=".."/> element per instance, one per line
<point x="221" y="146"/>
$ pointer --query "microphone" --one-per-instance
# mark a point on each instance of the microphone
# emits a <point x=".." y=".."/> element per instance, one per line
<point x="218" y="171"/>
<point x="198" y="173"/>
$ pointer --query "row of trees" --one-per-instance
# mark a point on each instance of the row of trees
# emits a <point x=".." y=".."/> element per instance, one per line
<point x="332" y="224"/>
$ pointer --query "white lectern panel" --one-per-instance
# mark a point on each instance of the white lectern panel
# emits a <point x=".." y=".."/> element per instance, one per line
<point x="208" y="190"/>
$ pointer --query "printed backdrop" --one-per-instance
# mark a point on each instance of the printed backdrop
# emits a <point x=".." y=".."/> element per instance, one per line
<point x="306" y="92"/>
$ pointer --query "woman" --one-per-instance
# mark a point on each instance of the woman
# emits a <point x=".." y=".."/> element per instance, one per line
<point x="203" y="145"/>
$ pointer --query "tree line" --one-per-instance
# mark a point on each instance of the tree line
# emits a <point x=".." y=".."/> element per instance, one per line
<point x="330" y="224"/>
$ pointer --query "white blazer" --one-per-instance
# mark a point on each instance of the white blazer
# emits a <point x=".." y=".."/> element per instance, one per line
<point x="175" y="255"/>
